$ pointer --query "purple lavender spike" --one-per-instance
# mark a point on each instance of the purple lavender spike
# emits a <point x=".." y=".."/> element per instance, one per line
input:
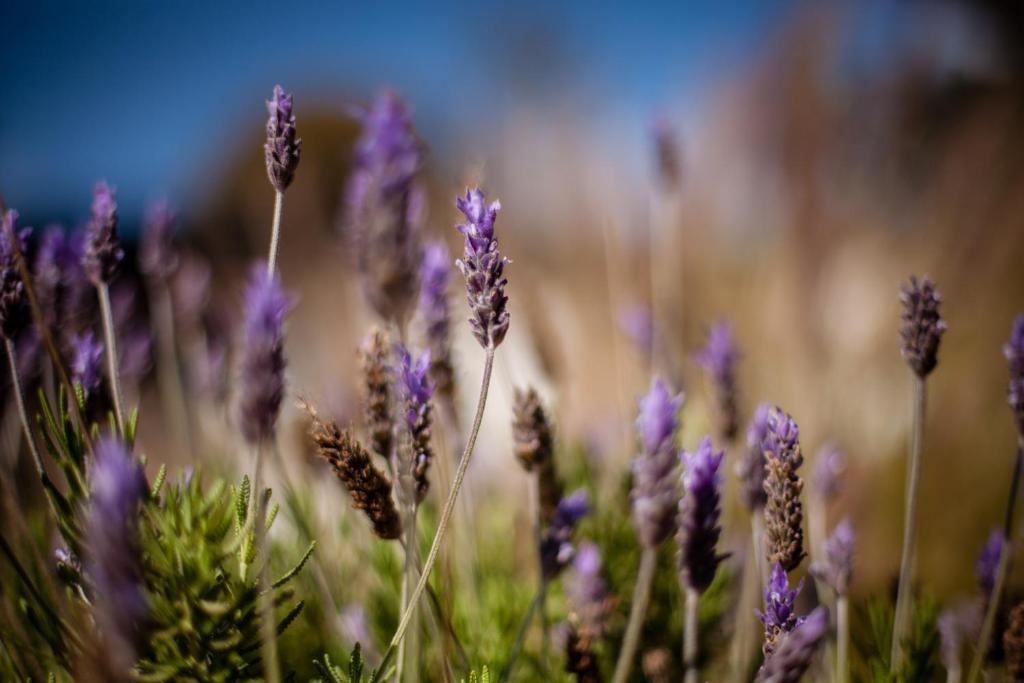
<point x="779" y="616"/>
<point x="750" y="467"/>
<point x="158" y="259"/>
<point x="282" y="148"/>
<point x="556" y="549"/>
<point x="988" y="562"/>
<point x="14" y="315"/>
<point x="922" y="327"/>
<point x="263" y="362"/>
<point x="588" y="592"/>
<point x="435" y="279"/>
<point x="103" y="252"/>
<point x="655" y="490"/>
<point x="47" y="273"/>
<point x="837" y="568"/>
<point x="87" y="371"/>
<point x="796" y="650"/>
<point x="719" y="360"/>
<point x="416" y="391"/>
<point x="699" y="512"/>
<point x="483" y="266"/>
<point x="1014" y="352"/>
<point x="829" y="465"/>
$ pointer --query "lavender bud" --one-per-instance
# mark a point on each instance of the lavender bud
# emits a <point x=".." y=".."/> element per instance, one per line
<point x="1013" y="644"/>
<point x="114" y="557"/>
<point x="416" y="394"/>
<point x="87" y="371"/>
<point x="282" y="147"/>
<point x="14" y="314"/>
<point x="699" y="512"/>
<point x="373" y="355"/>
<point x="988" y="563"/>
<point x="719" y="359"/>
<point x="591" y="602"/>
<point x="103" y="252"/>
<point x="750" y="468"/>
<point x="384" y="208"/>
<point x="779" y="616"/>
<point x="837" y="568"/>
<point x="655" y="491"/>
<point x="435" y="278"/>
<point x="47" y="273"/>
<point x="1014" y="352"/>
<point x="796" y="650"/>
<point x="158" y="259"/>
<point x="263" y="363"/>
<point x="922" y="326"/>
<point x="534" y="443"/>
<point x="829" y="465"/>
<point x="483" y="266"/>
<point x="556" y="549"/>
<point x="784" y="513"/>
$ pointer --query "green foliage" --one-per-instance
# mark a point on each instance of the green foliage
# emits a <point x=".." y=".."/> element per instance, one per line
<point x="920" y="660"/>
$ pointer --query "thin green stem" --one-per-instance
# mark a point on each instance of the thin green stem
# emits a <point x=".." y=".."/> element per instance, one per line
<point x="265" y="600"/>
<point x="524" y="628"/>
<point x="446" y="513"/>
<point x="843" y="639"/>
<point x="637" y="611"/>
<point x="168" y="368"/>
<point x="19" y="400"/>
<point x="1001" y="571"/>
<point x="275" y="233"/>
<point x="690" y="636"/>
<point x="904" y="599"/>
<point x="109" y="337"/>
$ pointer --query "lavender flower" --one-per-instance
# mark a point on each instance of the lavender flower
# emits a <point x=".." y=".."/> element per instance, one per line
<point x="638" y="325"/>
<point x="556" y="549"/>
<point x="588" y="592"/>
<point x="922" y="326"/>
<point x="533" y="440"/>
<point x="114" y="564"/>
<point x="87" y="371"/>
<point x="988" y="563"/>
<point x="282" y="147"/>
<point x="795" y="650"/>
<point x="103" y="252"/>
<point x="719" y="359"/>
<point x="416" y="394"/>
<point x="14" y="315"/>
<point x="829" y="465"/>
<point x="779" y="616"/>
<point x="435" y="278"/>
<point x="837" y="568"/>
<point x="655" y="492"/>
<point x="384" y="208"/>
<point x="699" y="512"/>
<point x="373" y="356"/>
<point x="263" y="363"/>
<point x="158" y="258"/>
<point x="750" y="468"/>
<point x="1014" y="352"/>
<point x="783" y="510"/>
<point x="483" y="267"/>
<point x="47" y="275"/>
<point x="77" y="299"/>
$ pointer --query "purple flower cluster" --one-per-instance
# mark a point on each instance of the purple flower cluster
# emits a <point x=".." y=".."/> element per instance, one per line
<point x="14" y="314"/>
<point x="655" y="490"/>
<point x="47" y="275"/>
<point x="556" y="549"/>
<point x="263" y="363"/>
<point x="782" y="485"/>
<point x="483" y="266"/>
<point x="114" y="564"/>
<point x="87" y="370"/>
<point x="829" y="465"/>
<point x="435" y="278"/>
<point x="416" y="392"/>
<point x="719" y="360"/>
<point x="750" y="466"/>
<point x="158" y="258"/>
<point x="922" y="326"/>
<point x="588" y="592"/>
<point x="779" y="616"/>
<point x="1014" y="352"/>
<point x="988" y="562"/>
<point x="796" y="649"/>
<point x="282" y="148"/>
<point x="103" y="253"/>
<point x="837" y="568"/>
<point x="699" y="512"/>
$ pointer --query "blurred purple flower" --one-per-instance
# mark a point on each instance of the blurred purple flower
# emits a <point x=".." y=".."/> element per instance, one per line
<point x="262" y="355"/>
<point x="282" y="148"/>
<point x="719" y="360"/>
<point x="435" y="278"/>
<point x="14" y="313"/>
<point x="103" y="253"/>
<point x="636" y="322"/>
<point x="416" y="391"/>
<point x="655" y="490"/>
<point x="750" y="467"/>
<point x="1014" y="352"/>
<point x="922" y="326"/>
<point x="556" y="549"/>
<point x="158" y="259"/>
<point x="483" y="266"/>
<point x="988" y="562"/>
<point x="47" y="275"/>
<point x="87" y="369"/>
<point x="191" y="291"/>
<point x="837" y="568"/>
<point x="699" y="512"/>
<point x="829" y="465"/>
<point x="796" y="649"/>
<point x="588" y="592"/>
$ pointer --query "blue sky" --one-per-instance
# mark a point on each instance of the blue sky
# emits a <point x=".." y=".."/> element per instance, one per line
<point x="142" y="93"/>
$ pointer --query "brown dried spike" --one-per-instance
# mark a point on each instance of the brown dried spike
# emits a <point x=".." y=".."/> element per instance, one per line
<point x="531" y="430"/>
<point x="580" y="660"/>
<point x="783" y="512"/>
<point x="373" y="355"/>
<point x="368" y="486"/>
<point x="1013" y="644"/>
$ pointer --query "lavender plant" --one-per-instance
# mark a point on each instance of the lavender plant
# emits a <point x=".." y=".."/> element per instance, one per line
<point x="282" y="149"/>
<point x="783" y="512"/>
<point x="719" y="360"/>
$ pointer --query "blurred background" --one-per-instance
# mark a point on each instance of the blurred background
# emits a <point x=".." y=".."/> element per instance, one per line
<point x="780" y="165"/>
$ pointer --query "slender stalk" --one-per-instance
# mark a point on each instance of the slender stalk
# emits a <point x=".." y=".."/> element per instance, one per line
<point x="843" y="639"/>
<point x="637" y="611"/>
<point x="524" y="627"/>
<point x="904" y="599"/>
<point x="19" y="400"/>
<point x="265" y="600"/>
<point x="1001" y="571"/>
<point x="168" y="367"/>
<point x="757" y="534"/>
<point x="109" y="337"/>
<point x="953" y="674"/>
<point x="275" y="233"/>
<point x="446" y="513"/>
<point x="690" y="636"/>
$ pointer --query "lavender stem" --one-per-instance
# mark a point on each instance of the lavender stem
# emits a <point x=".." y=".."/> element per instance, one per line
<point x="690" y="636"/>
<point x="19" y="400"/>
<point x="268" y="637"/>
<point x="637" y="611"/>
<point x="903" y="597"/>
<point x="113" y="373"/>
<point x="517" y="647"/>
<point x="1001" y="571"/>
<point x="757" y="534"/>
<point x="842" y="638"/>
<point x="275" y="232"/>
<point x="168" y="367"/>
<point x="446" y="513"/>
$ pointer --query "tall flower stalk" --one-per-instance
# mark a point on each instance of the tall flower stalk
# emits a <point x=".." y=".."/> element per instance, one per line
<point x="654" y="500"/>
<point x="921" y="331"/>
<point x="482" y="266"/>
<point x="101" y="261"/>
<point x="282" y="151"/>
<point x="835" y="570"/>
<point x="1014" y="352"/>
